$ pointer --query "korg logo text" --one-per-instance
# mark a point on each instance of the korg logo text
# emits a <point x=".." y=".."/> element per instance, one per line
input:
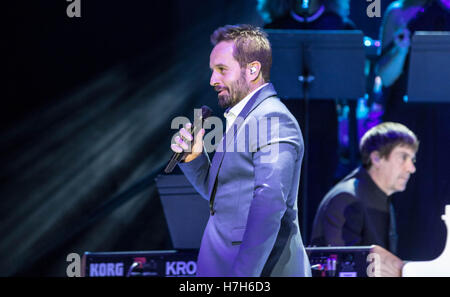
<point x="106" y="269"/>
<point x="178" y="268"/>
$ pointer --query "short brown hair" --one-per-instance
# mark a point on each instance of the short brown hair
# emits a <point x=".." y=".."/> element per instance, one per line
<point x="250" y="44"/>
<point x="383" y="138"/>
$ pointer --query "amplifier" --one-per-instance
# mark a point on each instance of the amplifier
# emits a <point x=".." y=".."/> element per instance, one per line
<point x="356" y="261"/>
<point x="169" y="263"/>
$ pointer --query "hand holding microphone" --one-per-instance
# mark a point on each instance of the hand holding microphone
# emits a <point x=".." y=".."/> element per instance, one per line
<point x="183" y="141"/>
<point x="182" y="148"/>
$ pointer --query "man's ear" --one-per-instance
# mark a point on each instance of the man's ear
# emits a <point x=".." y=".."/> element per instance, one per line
<point x="375" y="158"/>
<point x="253" y="70"/>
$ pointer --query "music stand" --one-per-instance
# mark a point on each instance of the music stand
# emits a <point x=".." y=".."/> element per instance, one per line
<point x="317" y="64"/>
<point x="429" y="67"/>
<point x="185" y="210"/>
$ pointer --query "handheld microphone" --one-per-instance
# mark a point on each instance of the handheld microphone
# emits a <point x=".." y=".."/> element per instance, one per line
<point x="177" y="157"/>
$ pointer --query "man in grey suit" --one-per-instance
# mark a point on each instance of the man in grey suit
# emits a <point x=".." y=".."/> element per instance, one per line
<point x="252" y="182"/>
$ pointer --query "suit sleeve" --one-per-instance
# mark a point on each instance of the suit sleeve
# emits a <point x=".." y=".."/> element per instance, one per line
<point x="342" y="221"/>
<point x="196" y="172"/>
<point x="274" y="165"/>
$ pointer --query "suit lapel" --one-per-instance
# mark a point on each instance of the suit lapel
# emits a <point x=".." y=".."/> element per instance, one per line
<point x="227" y="139"/>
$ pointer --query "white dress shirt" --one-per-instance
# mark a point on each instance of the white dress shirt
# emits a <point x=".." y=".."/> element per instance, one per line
<point x="231" y="114"/>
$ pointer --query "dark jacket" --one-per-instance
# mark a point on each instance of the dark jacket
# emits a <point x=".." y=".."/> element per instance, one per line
<point x="355" y="212"/>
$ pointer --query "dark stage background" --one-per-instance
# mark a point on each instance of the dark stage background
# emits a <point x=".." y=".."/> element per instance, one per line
<point x="87" y="106"/>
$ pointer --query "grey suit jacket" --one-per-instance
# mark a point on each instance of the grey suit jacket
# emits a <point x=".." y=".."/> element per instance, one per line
<point x="254" y="230"/>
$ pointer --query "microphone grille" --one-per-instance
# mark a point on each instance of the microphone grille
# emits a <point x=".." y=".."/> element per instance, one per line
<point x="206" y="112"/>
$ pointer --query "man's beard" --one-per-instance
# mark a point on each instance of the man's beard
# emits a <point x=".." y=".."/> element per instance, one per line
<point x="236" y="92"/>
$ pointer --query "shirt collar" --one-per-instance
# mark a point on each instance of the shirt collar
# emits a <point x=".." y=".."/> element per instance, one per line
<point x="372" y="186"/>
